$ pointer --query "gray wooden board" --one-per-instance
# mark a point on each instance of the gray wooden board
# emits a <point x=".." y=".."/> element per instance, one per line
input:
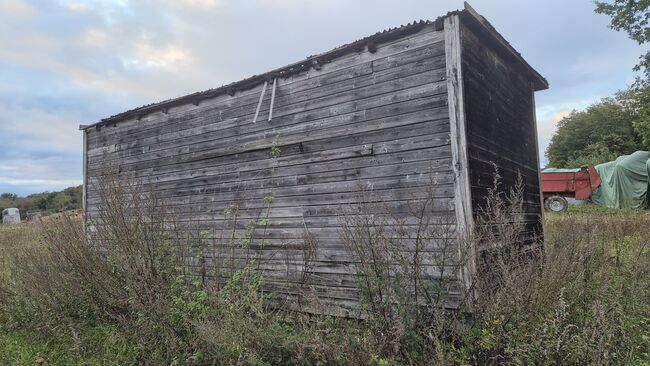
<point x="187" y="122"/>
<point x="400" y="138"/>
<point x="206" y="203"/>
<point x="365" y="121"/>
<point x="350" y="107"/>
<point x="234" y="144"/>
<point x="315" y="171"/>
<point x="285" y="177"/>
<point x="433" y="263"/>
<point x="225" y="120"/>
<point x="433" y="250"/>
<point x="328" y="239"/>
<point x="338" y="70"/>
<point x="344" y="268"/>
<point x="415" y="164"/>
<point x="400" y="103"/>
<point x="291" y="145"/>
<point x="403" y="178"/>
<point x="417" y="169"/>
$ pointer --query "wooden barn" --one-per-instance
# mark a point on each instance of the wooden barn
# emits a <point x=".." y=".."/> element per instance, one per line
<point x="447" y="99"/>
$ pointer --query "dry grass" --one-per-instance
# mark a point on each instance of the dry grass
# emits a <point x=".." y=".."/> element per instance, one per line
<point x="12" y="240"/>
<point x="586" y="301"/>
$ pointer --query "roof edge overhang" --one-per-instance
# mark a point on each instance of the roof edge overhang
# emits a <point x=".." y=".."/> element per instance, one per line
<point x="468" y="16"/>
<point x="479" y="24"/>
<point x="368" y="43"/>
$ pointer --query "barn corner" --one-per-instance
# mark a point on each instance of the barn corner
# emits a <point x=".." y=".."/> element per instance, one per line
<point x="449" y="97"/>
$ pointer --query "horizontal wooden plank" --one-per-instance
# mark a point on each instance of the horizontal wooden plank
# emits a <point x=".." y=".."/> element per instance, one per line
<point x="292" y="240"/>
<point x="291" y="159"/>
<point x="365" y="127"/>
<point x="309" y="171"/>
<point x="208" y="204"/>
<point x="223" y="123"/>
<point x="318" y="267"/>
<point x="263" y="140"/>
<point x="310" y="79"/>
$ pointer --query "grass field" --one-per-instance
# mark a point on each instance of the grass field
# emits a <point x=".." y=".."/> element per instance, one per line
<point x="12" y="239"/>
<point x="588" y="303"/>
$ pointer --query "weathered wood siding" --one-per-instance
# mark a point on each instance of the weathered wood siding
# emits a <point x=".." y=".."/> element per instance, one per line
<point x="390" y="114"/>
<point x="378" y="120"/>
<point x="501" y="129"/>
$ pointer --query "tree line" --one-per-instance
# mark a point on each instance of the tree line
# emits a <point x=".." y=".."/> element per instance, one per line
<point x="617" y="125"/>
<point x="46" y="202"/>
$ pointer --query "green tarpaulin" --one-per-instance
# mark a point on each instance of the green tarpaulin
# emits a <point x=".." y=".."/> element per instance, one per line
<point x="624" y="182"/>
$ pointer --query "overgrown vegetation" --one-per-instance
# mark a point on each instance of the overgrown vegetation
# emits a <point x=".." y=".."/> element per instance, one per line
<point x="45" y="203"/>
<point x="123" y="293"/>
<point x="411" y="268"/>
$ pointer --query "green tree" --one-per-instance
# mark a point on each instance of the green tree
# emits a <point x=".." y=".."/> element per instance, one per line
<point x="631" y="16"/>
<point x="9" y="196"/>
<point x="60" y="202"/>
<point x="46" y="202"/>
<point x="75" y="194"/>
<point x="637" y="102"/>
<point x="598" y="134"/>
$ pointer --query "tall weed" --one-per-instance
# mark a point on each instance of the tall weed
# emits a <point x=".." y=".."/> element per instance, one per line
<point x="137" y="285"/>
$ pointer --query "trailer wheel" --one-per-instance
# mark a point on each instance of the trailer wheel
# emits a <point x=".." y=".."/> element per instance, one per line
<point x="556" y="204"/>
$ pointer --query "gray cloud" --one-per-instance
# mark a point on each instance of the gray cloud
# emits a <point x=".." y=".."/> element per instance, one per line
<point x="67" y="62"/>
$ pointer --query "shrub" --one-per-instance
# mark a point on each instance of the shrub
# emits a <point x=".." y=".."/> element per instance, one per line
<point x="137" y="271"/>
<point x="135" y="286"/>
<point x="585" y="302"/>
<point x="409" y="266"/>
<point x="581" y="298"/>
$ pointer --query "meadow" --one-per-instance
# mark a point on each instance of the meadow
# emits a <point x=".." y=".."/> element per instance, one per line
<point x="585" y="301"/>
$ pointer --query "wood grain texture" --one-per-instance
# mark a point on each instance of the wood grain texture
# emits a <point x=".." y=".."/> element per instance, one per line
<point x="435" y="107"/>
<point x="460" y="160"/>
<point x="372" y="124"/>
<point x="501" y="129"/>
<point x="338" y="69"/>
<point x="84" y="188"/>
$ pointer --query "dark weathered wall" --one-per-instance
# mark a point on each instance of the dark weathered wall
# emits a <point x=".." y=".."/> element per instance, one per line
<point x="379" y="120"/>
<point x="500" y="121"/>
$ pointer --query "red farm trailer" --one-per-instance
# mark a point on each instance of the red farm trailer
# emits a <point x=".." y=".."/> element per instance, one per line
<point x="560" y="184"/>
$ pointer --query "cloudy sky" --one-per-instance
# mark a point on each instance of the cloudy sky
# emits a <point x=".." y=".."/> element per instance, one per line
<point x="70" y="62"/>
